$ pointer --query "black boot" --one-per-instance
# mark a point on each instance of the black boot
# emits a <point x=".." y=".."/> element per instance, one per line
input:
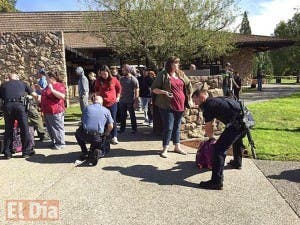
<point x="7" y="156"/>
<point x="234" y="164"/>
<point x="93" y="156"/>
<point x="210" y="185"/>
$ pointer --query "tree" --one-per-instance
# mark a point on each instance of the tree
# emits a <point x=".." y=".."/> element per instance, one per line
<point x="286" y="61"/>
<point x="8" y="5"/>
<point x="245" y="26"/>
<point x="156" y="29"/>
<point x="263" y="62"/>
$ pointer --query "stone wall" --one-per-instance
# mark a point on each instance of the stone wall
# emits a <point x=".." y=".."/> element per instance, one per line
<point x="24" y="53"/>
<point x="191" y="126"/>
<point x="242" y="62"/>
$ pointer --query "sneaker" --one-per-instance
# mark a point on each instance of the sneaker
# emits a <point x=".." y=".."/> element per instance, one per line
<point x="145" y="122"/>
<point x="180" y="151"/>
<point x="234" y="164"/>
<point x="163" y="154"/>
<point x="57" y="147"/>
<point x="114" y="141"/>
<point x="150" y="125"/>
<point x="210" y="185"/>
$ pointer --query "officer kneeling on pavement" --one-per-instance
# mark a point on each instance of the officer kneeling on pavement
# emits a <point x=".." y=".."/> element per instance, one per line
<point x="96" y="125"/>
<point x="13" y="94"/>
<point x="226" y="110"/>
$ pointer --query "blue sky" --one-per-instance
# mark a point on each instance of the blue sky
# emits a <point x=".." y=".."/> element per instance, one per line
<point x="263" y="14"/>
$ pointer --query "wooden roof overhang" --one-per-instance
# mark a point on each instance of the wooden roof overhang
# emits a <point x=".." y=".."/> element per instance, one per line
<point x="77" y="32"/>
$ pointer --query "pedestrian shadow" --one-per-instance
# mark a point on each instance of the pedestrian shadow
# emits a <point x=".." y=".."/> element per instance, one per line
<point x="143" y="134"/>
<point x="55" y="158"/>
<point x="176" y="175"/>
<point x="120" y="152"/>
<point x="46" y="144"/>
<point x="290" y="175"/>
<point x="70" y="133"/>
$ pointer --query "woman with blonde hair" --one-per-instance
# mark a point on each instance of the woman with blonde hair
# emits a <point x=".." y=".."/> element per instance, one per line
<point x="92" y="79"/>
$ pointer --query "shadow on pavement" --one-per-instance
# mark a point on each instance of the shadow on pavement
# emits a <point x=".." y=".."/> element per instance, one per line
<point x="59" y="158"/>
<point x="290" y="175"/>
<point x="143" y="134"/>
<point x="47" y="144"/>
<point x="120" y="152"/>
<point x="151" y="174"/>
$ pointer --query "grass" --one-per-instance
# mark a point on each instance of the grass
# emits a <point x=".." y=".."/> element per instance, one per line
<point x="73" y="113"/>
<point x="284" y="81"/>
<point x="277" y="130"/>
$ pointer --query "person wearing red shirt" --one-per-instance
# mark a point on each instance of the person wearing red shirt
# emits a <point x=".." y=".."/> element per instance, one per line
<point x="109" y="88"/>
<point x="173" y="91"/>
<point x="53" y="107"/>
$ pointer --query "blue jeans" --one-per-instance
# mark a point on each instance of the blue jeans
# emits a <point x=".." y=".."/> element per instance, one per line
<point x="123" y="113"/>
<point x="171" y="125"/>
<point x="146" y="108"/>
<point x="259" y="84"/>
<point x="113" y="111"/>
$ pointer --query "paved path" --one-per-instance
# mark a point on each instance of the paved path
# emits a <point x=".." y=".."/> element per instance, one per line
<point x="133" y="185"/>
<point x="268" y="92"/>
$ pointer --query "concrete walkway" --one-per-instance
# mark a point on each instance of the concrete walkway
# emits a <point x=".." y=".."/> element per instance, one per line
<point x="269" y="91"/>
<point x="133" y="185"/>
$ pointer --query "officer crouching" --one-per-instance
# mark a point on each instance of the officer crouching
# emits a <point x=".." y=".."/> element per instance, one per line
<point x="12" y="94"/>
<point x="96" y="125"/>
<point x="228" y="112"/>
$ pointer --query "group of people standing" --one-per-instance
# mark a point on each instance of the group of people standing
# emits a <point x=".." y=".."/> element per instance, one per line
<point x="171" y="91"/>
<point x="232" y="82"/>
<point x="120" y="94"/>
<point x="49" y="93"/>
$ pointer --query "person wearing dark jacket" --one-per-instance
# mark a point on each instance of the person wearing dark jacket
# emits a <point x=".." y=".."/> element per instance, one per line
<point x="237" y="85"/>
<point x="228" y="111"/>
<point x="13" y="93"/>
<point x="145" y="82"/>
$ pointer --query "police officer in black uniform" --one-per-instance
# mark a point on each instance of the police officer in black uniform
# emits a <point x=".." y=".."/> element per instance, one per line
<point x="226" y="110"/>
<point x="12" y="94"/>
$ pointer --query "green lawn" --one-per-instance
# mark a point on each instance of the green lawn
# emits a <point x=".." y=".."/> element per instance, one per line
<point x="277" y="130"/>
<point x="284" y="81"/>
<point x="73" y="113"/>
